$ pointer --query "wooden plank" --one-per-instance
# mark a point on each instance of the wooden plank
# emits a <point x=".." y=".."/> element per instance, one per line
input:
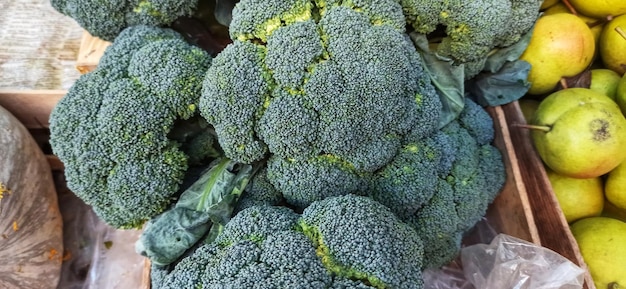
<point x="510" y="212"/>
<point x="553" y="229"/>
<point x="90" y="52"/>
<point x="31" y="107"/>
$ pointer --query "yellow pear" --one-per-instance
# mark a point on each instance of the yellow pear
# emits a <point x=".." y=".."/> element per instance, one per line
<point x="599" y="8"/>
<point x="605" y="81"/>
<point x="615" y="187"/>
<point x="612" y="44"/>
<point x="548" y="3"/>
<point x="579" y="133"/>
<point x="601" y="241"/>
<point x="561" y="45"/>
<point x="594" y="24"/>
<point x="620" y="94"/>
<point x="578" y="198"/>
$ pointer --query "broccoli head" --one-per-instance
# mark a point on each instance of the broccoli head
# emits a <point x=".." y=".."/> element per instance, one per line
<point x="318" y="87"/>
<point x="106" y="19"/>
<point x="113" y="129"/>
<point x="341" y="242"/>
<point x="466" y="30"/>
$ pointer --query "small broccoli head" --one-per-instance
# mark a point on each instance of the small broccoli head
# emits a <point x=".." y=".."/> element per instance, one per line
<point x="106" y="19"/>
<point x="361" y="239"/>
<point x="112" y="129"/>
<point x="466" y="30"/>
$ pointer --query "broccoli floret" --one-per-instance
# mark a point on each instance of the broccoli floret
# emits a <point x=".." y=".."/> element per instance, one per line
<point x="477" y="122"/>
<point x="106" y="19"/>
<point x="359" y="238"/>
<point x="410" y="180"/>
<point x="303" y="182"/>
<point x="309" y="80"/>
<point x="112" y="129"/>
<point x="274" y="247"/>
<point x="467" y="30"/>
<point x="259" y="192"/>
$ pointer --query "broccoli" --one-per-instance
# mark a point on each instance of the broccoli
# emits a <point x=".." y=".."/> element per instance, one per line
<point x="341" y="242"/>
<point x="467" y="31"/>
<point x="113" y="130"/>
<point x="259" y="192"/>
<point x="106" y="19"/>
<point x="326" y="90"/>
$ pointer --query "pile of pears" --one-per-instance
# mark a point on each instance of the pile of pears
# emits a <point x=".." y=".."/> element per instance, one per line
<point x="575" y="110"/>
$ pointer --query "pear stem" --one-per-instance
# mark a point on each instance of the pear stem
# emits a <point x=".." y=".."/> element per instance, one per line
<point x="570" y="7"/>
<point x="563" y="82"/>
<point x="620" y="31"/>
<point x="608" y="18"/>
<point x="613" y="285"/>
<point x="543" y="128"/>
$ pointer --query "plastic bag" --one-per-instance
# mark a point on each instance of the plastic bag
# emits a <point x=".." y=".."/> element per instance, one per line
<point x="509" y="262"/>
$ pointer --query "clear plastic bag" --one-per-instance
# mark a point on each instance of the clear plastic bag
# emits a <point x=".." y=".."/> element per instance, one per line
<point x="509" y="262"/>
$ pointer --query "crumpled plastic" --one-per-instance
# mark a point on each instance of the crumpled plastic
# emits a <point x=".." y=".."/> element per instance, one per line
<point x="513" y="263"/>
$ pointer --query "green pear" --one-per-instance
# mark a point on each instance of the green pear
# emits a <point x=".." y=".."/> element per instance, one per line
<point x="605" y="81"/>
<point x="579" y="133"/>
<point x="620" y="94"/>
<point x="601" y="241"/>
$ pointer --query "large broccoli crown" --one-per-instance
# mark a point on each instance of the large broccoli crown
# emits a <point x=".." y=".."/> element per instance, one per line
<point x="112" y="129"/>
<point x="106" y="19"/>
<point x="273" y="247"/>
<point x="471" y="29"/>
<point x="309" y="80"/>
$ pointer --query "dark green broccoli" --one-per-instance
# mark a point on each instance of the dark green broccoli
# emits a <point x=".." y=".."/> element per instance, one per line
<point x="259" y="192"/>
<point x="106" y="19"/>
<point x="442" y="184"/>
<point x="303" y="182"/>
<point x="114" y="128"/>
<point x="466" y="31"/>
<point x="332" y="86"/>
<point x="340" y="242"/>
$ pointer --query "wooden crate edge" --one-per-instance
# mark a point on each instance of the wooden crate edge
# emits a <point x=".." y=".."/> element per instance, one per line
<point x="552" y="226"/>
<point x="89" y="53"/>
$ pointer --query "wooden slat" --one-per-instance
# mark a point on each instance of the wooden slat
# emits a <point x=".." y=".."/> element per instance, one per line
<point x="510" y="212"/>
<point x="31" y="107"/>
<point x="553" y="228"/>
<point x="89" y="53"/>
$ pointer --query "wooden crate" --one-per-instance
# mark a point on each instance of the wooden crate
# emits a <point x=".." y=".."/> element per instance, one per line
<point x="89" y="53"/>
<point x="526" y="208"/>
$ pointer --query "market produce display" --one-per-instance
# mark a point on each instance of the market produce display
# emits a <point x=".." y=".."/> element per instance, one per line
<point x="322" y="147"/>
<point x="579" y="128"/>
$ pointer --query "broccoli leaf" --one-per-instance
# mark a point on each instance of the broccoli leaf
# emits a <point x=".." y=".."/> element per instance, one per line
<point x="447" y="78"/>
<point x="206" y="206"/>
<point x="507" y="85"/>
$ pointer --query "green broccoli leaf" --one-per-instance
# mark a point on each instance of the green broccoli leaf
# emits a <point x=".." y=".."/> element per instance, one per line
<point x="206" y="206"/>
<point x="447" y="78"/>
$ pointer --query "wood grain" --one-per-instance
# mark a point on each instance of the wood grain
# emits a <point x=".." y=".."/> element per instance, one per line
<point x="553" y="229"/>
<point x="90" y="52"/>
<point x="31" y="107"/>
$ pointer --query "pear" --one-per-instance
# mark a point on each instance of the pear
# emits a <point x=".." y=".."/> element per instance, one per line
<point x="620" y="94"/>
<point x="578" y="198"/>
<point x="562" y="45"/>
<point x="601" y="241"/>
<point x="612" y="44"/>
<point x="605" y="81"/>
<point x="594" y="24"/>
<point x="615" y="187"/>
<point x="579" y="133"/>
<point x="599" y="8"/>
